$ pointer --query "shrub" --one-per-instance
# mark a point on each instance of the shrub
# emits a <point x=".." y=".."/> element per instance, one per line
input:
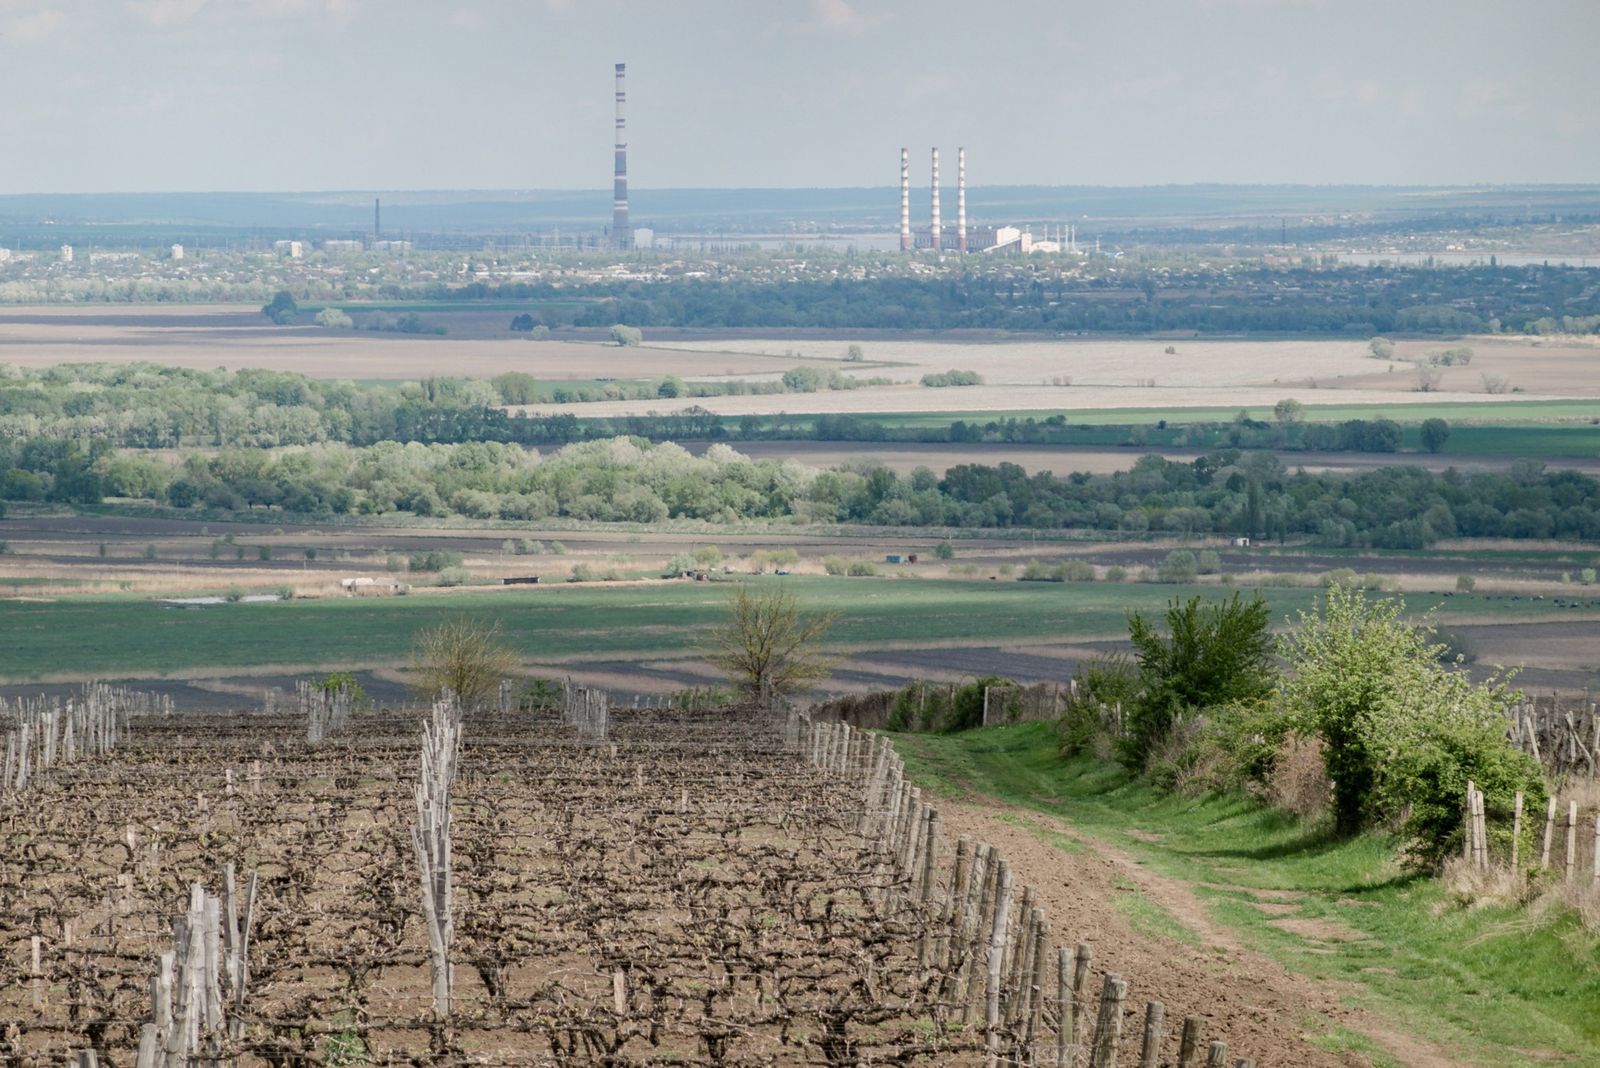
<point x="1434" y="433"/>
<point x="854" y="354"/>
<point x="1401" y="733"/>
<point x="862" y="569"/>
<point x="835" y="565"/>
<point x="1207" y="562"/>
<point x="1212" y="654"/>
<point x="1179" y="566"/>
<point x="1115" y="573"/>
<point x="436" y="560"/>
<point x="1103" y="681"/>
<point x="1465" y="583"/>
<point x="1381" y="348"/>
<point x="454" y="576"/>
<point x="581" y="573"/>
<point x="945" y="551"/>
<point x="1587" y="576"/>
<point x="952" y="378"/>
<point x="334" y="319"/>
<point x="626" y="336"/>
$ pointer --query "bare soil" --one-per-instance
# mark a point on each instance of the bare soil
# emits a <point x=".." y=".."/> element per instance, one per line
<point x="1265" y="1010"/>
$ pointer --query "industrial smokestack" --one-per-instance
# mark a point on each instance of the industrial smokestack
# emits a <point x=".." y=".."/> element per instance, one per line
<point x="935" y="230"/>
<point x="961" y="199"/>
<point x="621" y="231"/>
<point x="905" y="200"/>
<point x="377" y="220"/>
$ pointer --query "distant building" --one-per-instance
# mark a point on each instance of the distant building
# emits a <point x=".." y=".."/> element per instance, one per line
<point x="391" y="246"/>
<point x="293" y="249"/>
<point x="177" y="252"/>
<point x="5" y="255"/>
<point x="341" y="245"/>
<point x="66" y="253"/>
<point x="644" y="237"/>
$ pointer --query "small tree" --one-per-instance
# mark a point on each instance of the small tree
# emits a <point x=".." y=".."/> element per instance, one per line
<point x="1288" y="410"/>
<point x="854" y="354"/>
<point x="626" y="336"/>
<point x="1381" y="348"/>
<point x="335" y="319"/>
<point x="462" y="656"/>
<point x="282" y="309"/>
<point x="767" y="645"/>
<point x="1434" y="432"/>
<point x="1211" y="655"/>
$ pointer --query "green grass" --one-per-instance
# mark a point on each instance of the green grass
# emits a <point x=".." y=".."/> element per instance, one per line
<point x="1482" y="983"/>
<point x="102" y="635"/>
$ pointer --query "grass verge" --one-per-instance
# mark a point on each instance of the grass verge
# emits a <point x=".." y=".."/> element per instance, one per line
<point x="1480" y="982"/>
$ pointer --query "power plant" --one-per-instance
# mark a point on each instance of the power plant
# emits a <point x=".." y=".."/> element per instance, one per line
<point x="621" y="231"/>
<point x="993" y="239"/>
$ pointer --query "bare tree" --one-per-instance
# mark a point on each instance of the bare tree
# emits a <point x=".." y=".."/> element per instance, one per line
<point x="767" y="645"/>
<point x="460" y="656"/>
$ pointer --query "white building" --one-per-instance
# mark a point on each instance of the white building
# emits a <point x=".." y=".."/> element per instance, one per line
<point x="293" y="249"/>
<point x="340" y="245"/>
<point x="66" y="253"/>
<point x="644" y="237"/>
<point x="5" y="255"/>
<point x="177" y="252"/>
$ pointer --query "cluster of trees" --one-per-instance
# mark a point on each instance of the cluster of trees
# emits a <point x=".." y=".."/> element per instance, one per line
<point x="631" y="480"/>
<point x="1210" y="699"/>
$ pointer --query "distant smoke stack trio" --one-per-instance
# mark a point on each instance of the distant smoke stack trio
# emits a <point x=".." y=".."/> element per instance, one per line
<point x="621" y="231"/>
<point x="934" y="237"/>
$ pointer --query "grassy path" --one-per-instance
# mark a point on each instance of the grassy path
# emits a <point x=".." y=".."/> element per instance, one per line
<point x="1483" y="984"/>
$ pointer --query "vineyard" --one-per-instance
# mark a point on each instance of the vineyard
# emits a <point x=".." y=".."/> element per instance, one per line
<point x="587" y="885"/>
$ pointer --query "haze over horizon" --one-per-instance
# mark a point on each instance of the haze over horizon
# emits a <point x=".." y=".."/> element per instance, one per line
<point x="234" y="95"/>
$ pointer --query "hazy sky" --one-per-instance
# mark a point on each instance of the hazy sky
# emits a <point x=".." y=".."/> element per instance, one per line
<point x="151" y="95"/>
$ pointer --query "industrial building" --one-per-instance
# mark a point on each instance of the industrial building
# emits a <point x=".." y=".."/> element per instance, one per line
<point x="965" y="238"/>
<point x="621" y="230"/>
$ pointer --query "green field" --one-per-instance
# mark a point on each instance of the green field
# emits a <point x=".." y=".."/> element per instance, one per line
<point x="1489" y="987"/>
<point x="122" y="635"/>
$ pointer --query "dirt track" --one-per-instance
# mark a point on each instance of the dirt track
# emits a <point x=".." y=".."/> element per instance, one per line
<point x="1258" y="1004"/>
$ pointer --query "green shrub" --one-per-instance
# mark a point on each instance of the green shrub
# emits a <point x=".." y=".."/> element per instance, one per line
<point x="1115" y="573"/>
<point x="945" y="551"/>
<point x="952" y="378"/>
<point x="436" y="560"/>
<point x="1179" y="566"/>
<point x="1211" y="654"/>
<point x="1465" y="583"/>
<point x="454" y="576"/>
<point x="1401" y="732"/>
<point x="835" y="565"/>
<point x="1102" y="681"/>
<point x="862" y="569"/>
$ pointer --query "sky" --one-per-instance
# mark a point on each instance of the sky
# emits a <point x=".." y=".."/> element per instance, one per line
<point x="287" y="95"/>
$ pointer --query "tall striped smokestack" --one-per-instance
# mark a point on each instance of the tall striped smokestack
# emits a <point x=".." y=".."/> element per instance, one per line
<point x="621" y="231"/>
<point x="905" y="200"/>
<point x="961" y="199"/>
<point x="935" y="230"/>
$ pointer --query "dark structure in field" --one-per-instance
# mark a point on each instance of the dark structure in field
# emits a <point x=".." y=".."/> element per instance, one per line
<point x="621" y="231"/>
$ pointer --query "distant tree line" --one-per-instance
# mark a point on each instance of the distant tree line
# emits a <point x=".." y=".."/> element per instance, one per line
<point x="1342" y="299"/>
<point x="631" y="480"/>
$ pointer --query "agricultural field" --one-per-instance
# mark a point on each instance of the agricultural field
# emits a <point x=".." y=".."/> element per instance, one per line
<point x="768" y="892"/>
<point x="205" y="337"/>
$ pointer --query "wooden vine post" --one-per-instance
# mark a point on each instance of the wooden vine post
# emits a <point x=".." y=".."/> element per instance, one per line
<point x="441" y="748"/>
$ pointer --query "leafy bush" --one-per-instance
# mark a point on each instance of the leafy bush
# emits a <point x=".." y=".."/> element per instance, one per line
<point x="1465" y="583"/>
<point x="454" y="576"/>
<point x="1402" y="733"/>
<point x="334" y="319"/>
<point x="436" y="560"/>
<point x="626" y="336"/>
<point x="952" y="378"/>
<point x="1381" y="348"/>
<point x="835" y="565"/>
<point x="1103" y="681"/>
<point x="945" y="551"/>
<point x="862" y="569"/>
<point x="1213" y="654"/>
<point x="1179" y="566"/>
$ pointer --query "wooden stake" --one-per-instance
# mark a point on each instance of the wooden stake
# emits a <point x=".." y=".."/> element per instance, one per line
<point x="997" y="948"/>
<point x="1108" y="1025"/>
<point x="1549" y="829"/>
<point x="1154" y="1024"/>
<point x="1217" y="1056"/>
<point x="1516" y="832"/>
<point x="1189" y="1044"/>
<point x="1572" y="841"/>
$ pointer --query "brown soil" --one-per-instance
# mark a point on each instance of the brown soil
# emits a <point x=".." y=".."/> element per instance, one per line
<point x="1267" y="1012"/>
